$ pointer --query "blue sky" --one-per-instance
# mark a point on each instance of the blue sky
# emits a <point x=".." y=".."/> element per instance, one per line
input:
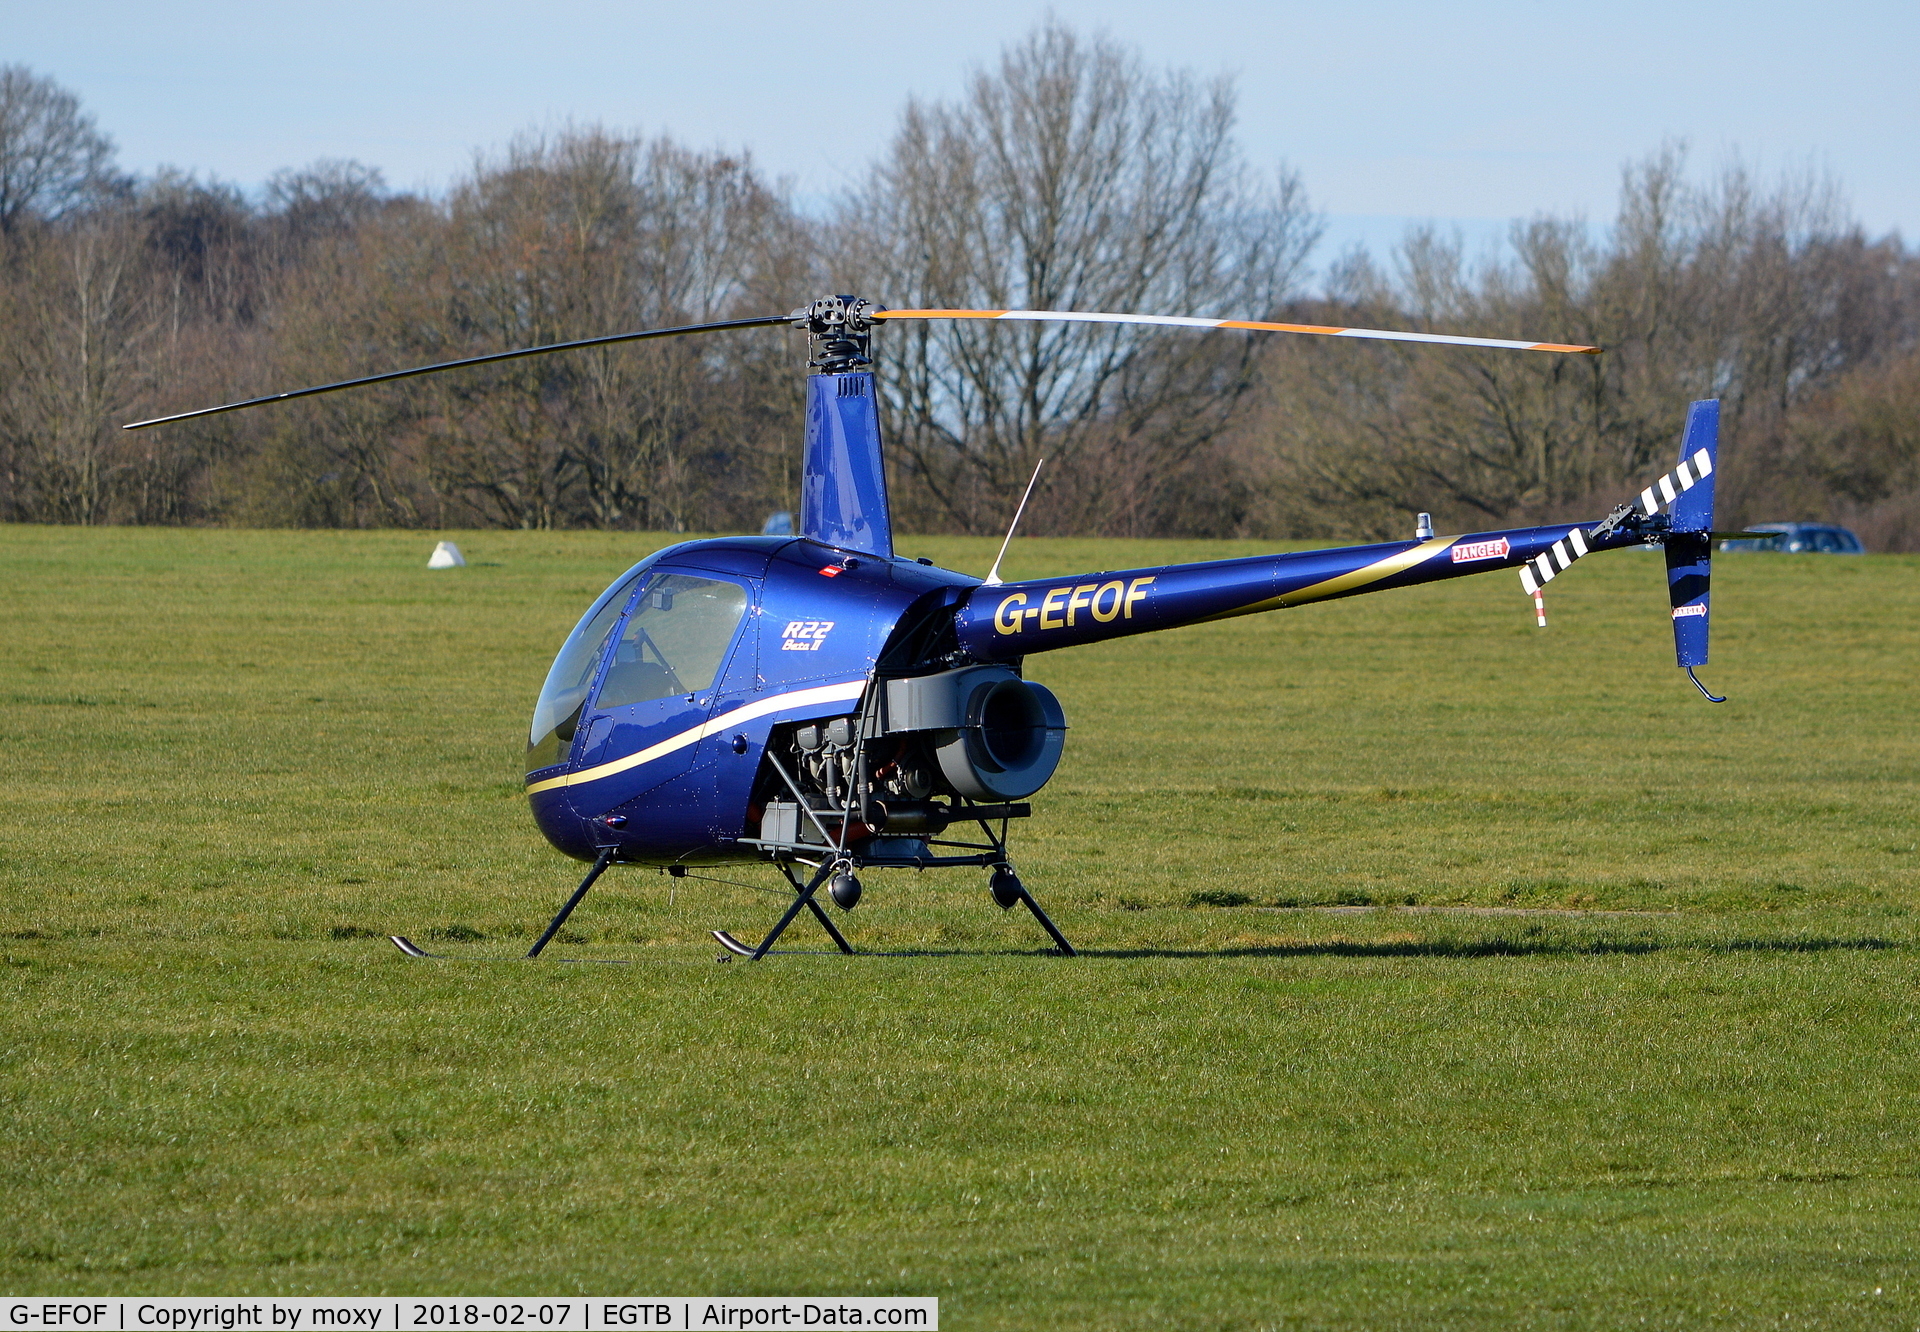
<point x="1466" y="114"/>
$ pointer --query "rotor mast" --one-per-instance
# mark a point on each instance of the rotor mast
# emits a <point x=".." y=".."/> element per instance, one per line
<point x="843" y="478"/>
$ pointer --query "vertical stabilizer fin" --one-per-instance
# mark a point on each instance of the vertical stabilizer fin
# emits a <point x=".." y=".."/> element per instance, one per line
<point x="1689" y="542"/>
<point x="1692" y="509"/>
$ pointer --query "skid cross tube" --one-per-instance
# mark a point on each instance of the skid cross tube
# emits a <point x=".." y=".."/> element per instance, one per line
<point x="804" y="898"/>
<point x="599" y="868"/>
<point x="819" y="912"/>
<point x="1045" y="923"/>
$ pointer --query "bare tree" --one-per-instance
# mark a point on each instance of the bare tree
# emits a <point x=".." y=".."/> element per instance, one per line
<point x="1071" y="178"/>
<point x="1068" y="176"/>
<point x="358" y="289"/>
<point x="586" y="233"/>
<point x="1754" y="295"/>
<point x="539" y="253"/>
<point x="326" y="197"/>
<point x="85" y="331"/>
<point x="52" y="158"/>
<point x="653" y="416"/>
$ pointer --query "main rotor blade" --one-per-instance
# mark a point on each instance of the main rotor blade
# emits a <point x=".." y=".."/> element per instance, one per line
<point x="1259" y="326"/>
<point x="762" y="321"/>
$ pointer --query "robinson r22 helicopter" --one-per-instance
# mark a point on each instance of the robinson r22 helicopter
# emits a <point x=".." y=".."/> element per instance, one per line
<point x="819" y="703"/>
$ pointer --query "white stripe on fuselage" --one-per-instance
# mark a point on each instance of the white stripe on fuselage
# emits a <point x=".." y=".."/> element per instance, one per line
<point x="799" y="698"/>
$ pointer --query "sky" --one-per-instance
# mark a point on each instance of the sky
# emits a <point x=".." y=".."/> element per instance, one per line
<point x="1466" y="115"/>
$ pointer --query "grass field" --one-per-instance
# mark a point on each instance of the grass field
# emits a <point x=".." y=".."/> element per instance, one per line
<point x="1439" y="972"/>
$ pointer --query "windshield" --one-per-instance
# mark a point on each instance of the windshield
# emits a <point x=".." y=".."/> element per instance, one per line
<point x="674" y="641"/>
<point x="558" y="711"/>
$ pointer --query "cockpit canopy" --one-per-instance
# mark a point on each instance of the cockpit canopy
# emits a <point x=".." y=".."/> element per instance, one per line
<point x="673" y="640"/>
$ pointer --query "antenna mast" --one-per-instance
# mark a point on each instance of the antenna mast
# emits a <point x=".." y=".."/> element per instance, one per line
<point x="993" y="574"/>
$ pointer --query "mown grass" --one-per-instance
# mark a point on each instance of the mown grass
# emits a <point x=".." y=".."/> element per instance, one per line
<point x="1439" y="971"/>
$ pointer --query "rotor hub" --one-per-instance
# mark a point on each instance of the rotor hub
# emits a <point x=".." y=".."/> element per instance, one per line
<point x="839" y="333"/>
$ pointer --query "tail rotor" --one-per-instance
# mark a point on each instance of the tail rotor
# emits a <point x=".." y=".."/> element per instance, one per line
<point x="1685" y="530"/>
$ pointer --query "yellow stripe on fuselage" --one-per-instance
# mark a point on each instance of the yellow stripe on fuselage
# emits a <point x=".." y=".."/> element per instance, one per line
<point x="799" y="698"/>
<point x="1346" y="582"/>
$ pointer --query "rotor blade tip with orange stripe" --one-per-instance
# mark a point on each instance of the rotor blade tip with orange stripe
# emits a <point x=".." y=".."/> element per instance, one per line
<point x="1251" y="325"/>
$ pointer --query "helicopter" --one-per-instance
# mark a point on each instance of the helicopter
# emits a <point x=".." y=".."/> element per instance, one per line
<point x="816" y="702"/>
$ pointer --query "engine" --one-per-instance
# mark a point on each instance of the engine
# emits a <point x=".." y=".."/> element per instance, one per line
<point x="926" y="751"/>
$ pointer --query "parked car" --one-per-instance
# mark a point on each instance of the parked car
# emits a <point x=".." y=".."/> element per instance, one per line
<point x="1795" y="538"/>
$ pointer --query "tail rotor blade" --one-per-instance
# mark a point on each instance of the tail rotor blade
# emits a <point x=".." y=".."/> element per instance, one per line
<point x="1689" y="486"/>
<point x="1553" y="562"/>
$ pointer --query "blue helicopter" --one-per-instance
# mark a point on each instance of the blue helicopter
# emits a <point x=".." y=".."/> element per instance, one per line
<point x="821" y="704"/>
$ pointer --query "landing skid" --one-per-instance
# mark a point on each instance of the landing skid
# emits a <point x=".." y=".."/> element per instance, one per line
<point x="731" y="944"/>
<point x="738" y="949"/>
<point x="1006" y="886"/>
<point x="411" y="949"/>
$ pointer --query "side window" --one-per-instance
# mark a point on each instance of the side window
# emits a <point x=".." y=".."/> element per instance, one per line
<point x="675" y="640"/>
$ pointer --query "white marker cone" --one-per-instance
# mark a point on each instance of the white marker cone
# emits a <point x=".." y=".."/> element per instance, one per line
<point x="446" y="555"/>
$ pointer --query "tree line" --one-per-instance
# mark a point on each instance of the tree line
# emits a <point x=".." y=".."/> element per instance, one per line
<point x="1069" y="175"/>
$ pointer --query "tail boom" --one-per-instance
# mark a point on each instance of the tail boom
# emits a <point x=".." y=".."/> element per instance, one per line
<point x="1043" y="614"/>
<point x="1013" y="620"/>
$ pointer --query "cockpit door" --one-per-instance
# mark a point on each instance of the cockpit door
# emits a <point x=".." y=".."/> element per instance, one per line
<point x="656" y="685"/>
